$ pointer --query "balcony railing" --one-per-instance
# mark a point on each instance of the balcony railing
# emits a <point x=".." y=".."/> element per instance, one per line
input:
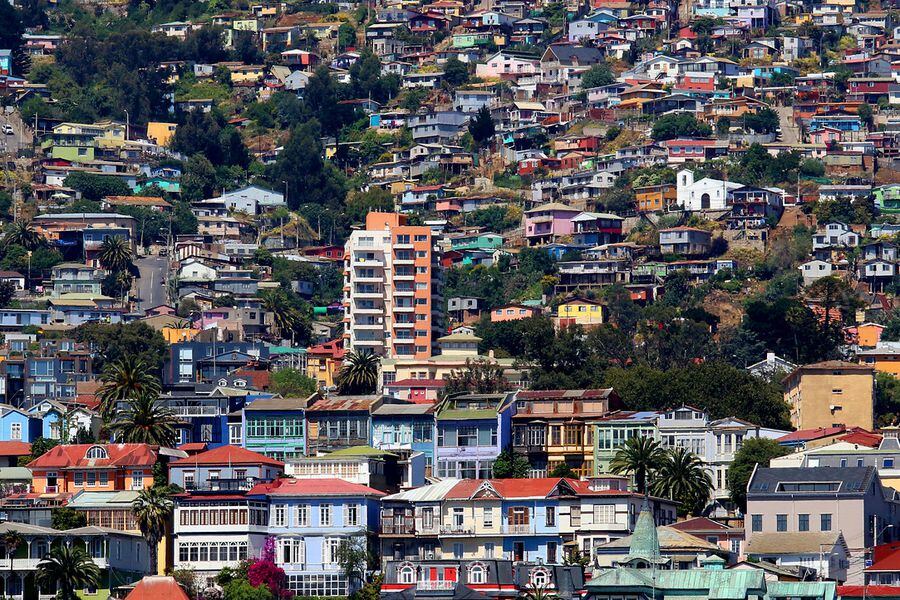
<point x="222" y="485"/>
<point x="457" y="530"/>
<point x="435" y="585"/>
<point x="518" y="529"/>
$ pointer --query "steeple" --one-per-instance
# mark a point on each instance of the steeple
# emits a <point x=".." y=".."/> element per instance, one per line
<point x="644" y="540"/>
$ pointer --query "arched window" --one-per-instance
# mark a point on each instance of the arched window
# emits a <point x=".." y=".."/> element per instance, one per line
<point x="407" y="574"/>
<point x="96" y="452"/>
<point x="477" y="573"/>
<point x="540" y="577"/>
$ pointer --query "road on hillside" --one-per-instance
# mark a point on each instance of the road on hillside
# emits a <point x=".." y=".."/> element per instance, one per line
<point x="151" y="286"/>
<point x="789" y="131"/>
<point x="19" y="139"/>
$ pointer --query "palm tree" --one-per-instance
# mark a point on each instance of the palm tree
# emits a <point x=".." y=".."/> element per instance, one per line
<point x="127" y="377"/>
<point x="683" y="477"/>
<point x="540" y="592"/>
<point x="115" y="254"/>
<point x="124" y="280"/>
<point x="359" y="373"/>
<point x="69" y="568"/>
<point x="152" y="509"/>
<point x="22" y="234"/>
<point x="11" y="540"/>
<point x="639" y="457"/>
<point x="285" y="317"/>
<point x="146" y="421"/>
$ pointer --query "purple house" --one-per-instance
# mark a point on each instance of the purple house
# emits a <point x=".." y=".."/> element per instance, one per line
<point x="547" y="222"/>
<point x="472" y="430"/>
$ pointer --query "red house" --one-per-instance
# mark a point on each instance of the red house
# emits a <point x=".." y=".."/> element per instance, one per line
<point x="329" y="252"/>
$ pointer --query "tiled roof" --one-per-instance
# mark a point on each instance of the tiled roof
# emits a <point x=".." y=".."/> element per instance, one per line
<point x="313" y="487"/>
<point x="507" y="488"/>
<point x="804" y="435"/>
<point x="228" y="455"/>
<point x="156" y="587"/>
<point x="119" y="455"/>
<point x="868" y="591"/>
<point x="15" y="448"/>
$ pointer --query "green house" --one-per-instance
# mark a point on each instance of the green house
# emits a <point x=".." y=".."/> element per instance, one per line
<point x="887" y="198"/>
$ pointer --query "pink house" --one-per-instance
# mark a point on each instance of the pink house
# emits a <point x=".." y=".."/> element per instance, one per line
<point x="506" y="63"/>
<point x="825" y="136"/>
<point x="513" y="312"/>
<point x="547" y="222"/>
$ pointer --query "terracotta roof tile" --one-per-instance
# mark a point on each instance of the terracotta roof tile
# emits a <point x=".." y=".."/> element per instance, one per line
<point x="228" y="455"/>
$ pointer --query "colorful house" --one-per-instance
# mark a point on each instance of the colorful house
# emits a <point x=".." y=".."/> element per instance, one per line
<point x="67" y="469"/>
<point x="580" y="311"/>
<point x="546" y="223"/>
<point x="472" y="429"/>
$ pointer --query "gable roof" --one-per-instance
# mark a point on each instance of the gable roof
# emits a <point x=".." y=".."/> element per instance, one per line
<point x="74" y="455"/>
<point x="508" y="488"/>
<point x="228" y="455"/>
<point x="313" y="487"/>
<point x="155" y="587"/>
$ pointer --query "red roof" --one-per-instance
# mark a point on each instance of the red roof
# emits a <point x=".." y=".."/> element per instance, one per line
<point x="15" y="448"/>
<point x="313" y="487"/>
<point x="156" y="587"/>
<point x="891" y="562"/>
<point x="509" y="488"/>
<point x="193" y="447"/>
<point x="74" y="455"/>
<point x="804" y="435"/>
<point x="334" y="349"/>
<point x="259" y="379"/>
<point x="859" y="591"/>
<point x="699" y="524"/>
<point x="228" y="455"/>
<point x="862" y="437"/>
<point x="417" y="383"/>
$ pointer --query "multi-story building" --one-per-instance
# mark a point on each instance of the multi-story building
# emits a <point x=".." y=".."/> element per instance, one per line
<point x="551" y="427"/>
<point x="816" y="516"/>
<point x="323" y="362"/>
<point x="223" y="468"/>
<point x="472" y="430"/>
<point x="392" y="283"/>
<point x="406" y="428"/>
<point x="310" y="519"/>
<point x="67" y="469"/>
<point x="275" y="427"/>
<point x="202" y="412"/>
<point x="339" y="422"/>
<point x="831" y="393"/>
<point x="611" y="433"/>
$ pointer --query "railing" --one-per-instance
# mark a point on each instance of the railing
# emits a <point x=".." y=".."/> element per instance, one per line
<point x="435" y="585"/>
<point x="458" y="529"/>
<point x="196" y="411"/>
<point x="518" y="529"/>
<point x="220" y="485"/>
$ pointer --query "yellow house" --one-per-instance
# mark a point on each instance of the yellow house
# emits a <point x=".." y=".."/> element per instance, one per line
<point x="831" y="393"/>
<point x="161" y="132"/>
<point x="176" y="335"/>
<point x="323" y="362"/>
<point x="579" y="312"/>
<point x="247" y="73"/>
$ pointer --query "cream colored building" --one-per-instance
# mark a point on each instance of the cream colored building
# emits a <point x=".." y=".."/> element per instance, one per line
<point x="831" y="393"/>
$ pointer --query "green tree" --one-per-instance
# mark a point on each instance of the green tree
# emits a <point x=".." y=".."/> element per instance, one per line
<point x="346" y="36"/>
<point x="865" y="115"/>
<point x="677" y="125"/>
<point x="96" y="187"/>
<point x="723" y="126"/>
<point x="23" y="234"/>
<point x="564" y="470"/>
<point x="598" y="75"/>
<point x="510" y="465"/>
<point x="39" y="447"/>
<point x="481" y="127"/>
<point x="146" y="420"/>
<point x="63" y="517"/>
<point x="292" y="383"/>
<point x="456" y="72"/>
<point x="754" y="451"/>
<point x="287" y="319"/>
<point x="301" y="166"/>
<point x="67" y="568"/>
<point x="358" y="373"/>
<point x="640" y="457"/>
<point x="240" y="589"/>
<point x="682" y="477"/>
<point x="12" y="541"/>
<point x="152" y="509"/>
<point x="198" y="179"/>
<point x="115" y="254"/>
<point x="7" y="293"/>
<point x="110" y="342"/>
<point x="126" y="378"/>
<point x="480" y="376"/>
<point x="352" y="557"/>
<point x="764" y="120"/>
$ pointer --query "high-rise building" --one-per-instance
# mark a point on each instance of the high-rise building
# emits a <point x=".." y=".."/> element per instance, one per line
<point x="392" y="289"/>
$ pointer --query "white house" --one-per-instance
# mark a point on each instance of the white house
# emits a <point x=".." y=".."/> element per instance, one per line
<point x="835" y="234"/>
<point x="194" y="269"/>
<point x="815" y="269"/>
<point x="251" y="199"/>
<point x="705" y="194"/>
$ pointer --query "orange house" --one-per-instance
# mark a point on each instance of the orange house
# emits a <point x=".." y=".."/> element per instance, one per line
<point x="655" y="198"/>
<point x="68" y="469"/>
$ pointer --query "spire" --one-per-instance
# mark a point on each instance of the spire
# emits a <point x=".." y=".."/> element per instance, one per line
<point x="644" y="540"/>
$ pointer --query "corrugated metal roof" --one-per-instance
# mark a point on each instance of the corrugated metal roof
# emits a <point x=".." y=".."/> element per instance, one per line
<point x="428" y="493"/>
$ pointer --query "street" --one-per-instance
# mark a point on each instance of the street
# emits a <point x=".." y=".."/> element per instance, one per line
<point x="151" y="286"/>
<point x="19" y="139"/>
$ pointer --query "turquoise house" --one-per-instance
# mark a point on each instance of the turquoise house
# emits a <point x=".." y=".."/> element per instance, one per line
<point x="887" y="198"/>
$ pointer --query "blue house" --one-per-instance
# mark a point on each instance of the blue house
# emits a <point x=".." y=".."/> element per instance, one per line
<point x="310" y="519"/>
<point x="410" y="427"/>
<point x="16" y="425"/>
<point x="841" y="122"/>
<point x="208" y="361"/>
<point x="202" y="412"/>
<point x="472" y="429"/>
<point x="226" y="468"/>
<point x="58" y="420"/>
<point x="274" y="427"/>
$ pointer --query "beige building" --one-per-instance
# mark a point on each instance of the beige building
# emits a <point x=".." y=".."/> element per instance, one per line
<point x="831" y="393"/>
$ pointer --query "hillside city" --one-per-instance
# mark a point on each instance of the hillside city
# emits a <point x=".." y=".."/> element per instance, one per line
<point x="450" y="300"/>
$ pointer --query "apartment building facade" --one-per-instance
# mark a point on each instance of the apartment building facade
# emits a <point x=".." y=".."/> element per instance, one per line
<point x="392" y="288"/>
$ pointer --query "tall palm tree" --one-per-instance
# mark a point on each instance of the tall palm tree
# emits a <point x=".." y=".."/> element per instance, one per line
<point x="146" y="421"/>
<point x="152" y="509"/>
<point x="285" y="317"/>
<point x="639" y="457"/>
<point x="124" y="280"/>
<point x="11" y="540"/>
<point x="23" y="234"/>
<point x="69" y="568"/>
<point x="540" y="592"/>
<point x="127" y="377"/>
<point x="115" y="254"/>
<point x="359" y="373"/>
<point x="682" y="476"/>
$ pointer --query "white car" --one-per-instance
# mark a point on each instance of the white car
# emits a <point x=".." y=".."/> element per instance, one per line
<point x="8" y="129"/>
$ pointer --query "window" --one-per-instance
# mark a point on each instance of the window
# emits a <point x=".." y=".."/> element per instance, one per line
<point x="825" y="522"/>
<point x="279" y="515"/>
<point x="552" y="549"/>
<point x="756" y="523"/>
<point x="457" y="517"/>
<point x="301" y="515"/>
<point x="330" y="550"/>
<point x="551" y="516"/>
<point x="206" y="432"/>
<point x="488" y="518"/>
<point x="802" y="522"/>
<point x="781" y="522"/>
<point x="457" y="550"/>
<point x="476" y="573"/>
<point x="15" y="431"/>
<point x="351" y="515"/>
<point x="407" y="574"/>
<point x="888" y="463"/>
<point x="325" y="515"/>
<point x="137" y="480"/>
<point x="604" y="514"/>
<point x="540" y="577"/>
<point x="467" y="436"/>
<point x="96" y="452"/>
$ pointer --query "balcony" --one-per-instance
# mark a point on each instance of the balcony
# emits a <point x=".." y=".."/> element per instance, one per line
<point x="435" y="585"/>
<point x="21" y="564"/>
<point x="222" y="485"/>
<point x="196" y="411"/>
<point x="518" y="529"/>
<point x="457" y="530"/>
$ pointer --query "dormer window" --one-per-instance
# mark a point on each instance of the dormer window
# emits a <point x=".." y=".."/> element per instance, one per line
<point x="96" y="452"/>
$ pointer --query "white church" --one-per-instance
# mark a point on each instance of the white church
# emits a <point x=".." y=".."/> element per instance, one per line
<point x="716" y="194"/>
